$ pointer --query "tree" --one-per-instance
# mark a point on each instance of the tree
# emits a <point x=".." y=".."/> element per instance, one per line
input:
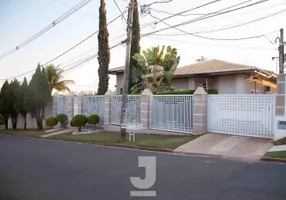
<point x="14" y="89"/>
<point x="135" y="44"/>
<point x="156" y="70"/>
<point x="103" y="51"/>
<point x="20" y="107"/>
<point x="38" y="95"/>
<point x="5" y="103"/>
<point x="54" y="76"/>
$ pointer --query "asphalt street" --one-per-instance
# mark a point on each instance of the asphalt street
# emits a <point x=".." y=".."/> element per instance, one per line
<point x="38" y="169"/>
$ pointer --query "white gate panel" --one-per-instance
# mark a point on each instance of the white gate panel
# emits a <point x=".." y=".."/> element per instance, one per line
<point x="133" y="113"/>
<point x="171" y="113"/>
<point x="246" y="115"/>
<point x="94" y="105"/>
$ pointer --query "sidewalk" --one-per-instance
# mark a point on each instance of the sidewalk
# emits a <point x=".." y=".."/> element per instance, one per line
<point x="278" y="148"/>
<point x="58" y="132"/>
<point x="228" y="146"/>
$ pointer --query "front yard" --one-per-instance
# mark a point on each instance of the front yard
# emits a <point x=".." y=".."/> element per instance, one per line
<point x="25" y="133"/>
<point x="112" y="138"/>
<point x="276" y="154"/>
<point x="142" y="140"/>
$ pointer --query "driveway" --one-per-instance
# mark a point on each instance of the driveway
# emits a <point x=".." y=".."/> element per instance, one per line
<point x="228" y="146"/>
<point x="38" y="169"/>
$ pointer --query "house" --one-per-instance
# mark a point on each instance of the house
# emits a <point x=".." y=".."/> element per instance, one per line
<point x="226" y="77"/>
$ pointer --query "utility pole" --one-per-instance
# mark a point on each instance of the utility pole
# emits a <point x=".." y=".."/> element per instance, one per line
<point x="126" y="71"/>
<point x="281" y="52"/>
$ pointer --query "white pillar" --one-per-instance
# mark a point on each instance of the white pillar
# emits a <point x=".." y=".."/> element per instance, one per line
<point x="280" y="108"/>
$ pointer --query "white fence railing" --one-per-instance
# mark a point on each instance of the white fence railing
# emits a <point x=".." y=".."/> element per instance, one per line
<point x="249" y="115"/>
<point x="132" y="110"/>
<point x="63" y="105"/>
<point x="94" y="105"/>
<point x="171" y="113"/>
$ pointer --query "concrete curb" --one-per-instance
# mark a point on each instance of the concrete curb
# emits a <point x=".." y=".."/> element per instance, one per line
<point x="118" y="145"/>
<point x="281" y="160"/>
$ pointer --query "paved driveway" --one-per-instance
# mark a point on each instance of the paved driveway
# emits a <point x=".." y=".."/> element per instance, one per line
<point x="35" y="169"/>
<point x="229" y="146"/>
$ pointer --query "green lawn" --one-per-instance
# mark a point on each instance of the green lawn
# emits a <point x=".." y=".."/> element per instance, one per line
<point x="26" y="133"/>
<point x="281" y="141"/>
<point x="276" y="154"/>
<point x="143" y="140"/>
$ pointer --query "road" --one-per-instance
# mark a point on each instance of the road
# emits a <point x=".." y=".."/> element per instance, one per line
<point x="37" y="169"/>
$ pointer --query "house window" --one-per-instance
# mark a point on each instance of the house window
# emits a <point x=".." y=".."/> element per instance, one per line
<point x="121" y="91"/>
<point x="266" y="89"/>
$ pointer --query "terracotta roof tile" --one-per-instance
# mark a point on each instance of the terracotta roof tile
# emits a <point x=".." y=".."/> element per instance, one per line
<point x="213" y="65"/>
<point x="210" y="66"/>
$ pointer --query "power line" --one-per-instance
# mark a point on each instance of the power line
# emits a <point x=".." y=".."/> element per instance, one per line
<point x="120" y="10"/>
<point x="214" y="14"/>
<point x="194" y="14"/>
<point x="242" y="24"/>
<point x="65" y="52"/>
<point x="89" y="58"/>
<point x="85" y="13"/>
<point x="211" y="38"/>
<point x="208" y="44"/>
<point x="46" y="29"/>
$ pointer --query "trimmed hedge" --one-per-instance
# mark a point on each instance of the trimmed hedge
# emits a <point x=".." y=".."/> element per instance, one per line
<point x="78" y="121"/>
<point x="174" y="92"/>
<point x="62" y="118"/>
<point x="93" y="119"/>
<point x="51" y="122"/>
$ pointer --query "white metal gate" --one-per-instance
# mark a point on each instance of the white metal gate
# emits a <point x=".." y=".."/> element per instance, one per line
<point x="94" y="105"/>
<point x="171" y="113"/>
<point x="246" y="115"/>
<point x="133" y="113"/>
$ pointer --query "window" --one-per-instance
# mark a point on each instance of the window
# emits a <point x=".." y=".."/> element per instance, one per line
<point x="266" y="89"/>
<point x="121" y="91"/>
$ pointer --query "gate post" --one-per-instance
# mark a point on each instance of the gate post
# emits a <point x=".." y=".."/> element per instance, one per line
<point x="145" y="108"/>
<point x="107" y="109"/>
<point x="280" y="108"/>
<point x="200" y="111"/>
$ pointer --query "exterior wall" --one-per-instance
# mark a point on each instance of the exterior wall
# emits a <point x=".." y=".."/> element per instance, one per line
<point x="119" y="82"/>
<point x="251" y="86"/>
<point x="226" y="84"/>
<point x="181" y="83"/>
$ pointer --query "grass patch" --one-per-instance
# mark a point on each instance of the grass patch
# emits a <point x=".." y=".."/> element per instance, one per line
<point x="281" y="141"/>
<point x="26" y="133"/>
<point x="143" y="140"/>
<point x="276" y="154"/>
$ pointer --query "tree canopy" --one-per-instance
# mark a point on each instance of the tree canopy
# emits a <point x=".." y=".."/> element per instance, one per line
<point x="103" y="51"/>
<point x="157" y="68"/>
<point x="54" y="77"/>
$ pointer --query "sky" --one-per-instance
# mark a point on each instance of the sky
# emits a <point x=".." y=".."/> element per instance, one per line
<point x="19" y="20"/>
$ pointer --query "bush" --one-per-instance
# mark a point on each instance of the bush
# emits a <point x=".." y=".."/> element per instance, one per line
<point x="62" y="118"/>
<point x="51" y="122"/>
<point x="78" y="121"/>
<point x="209" y="91"/>
<point x="1" y="120"/>
<point x="93" y="119"/>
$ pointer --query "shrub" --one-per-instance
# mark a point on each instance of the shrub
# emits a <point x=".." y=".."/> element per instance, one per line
<point x="174" y="92"/>
<point x="93" y="119"/>
<point x="1" y="120"/>
<point x="51" y="122"/>
<point x="78" y="121"/>
<point x="62" y="118"/>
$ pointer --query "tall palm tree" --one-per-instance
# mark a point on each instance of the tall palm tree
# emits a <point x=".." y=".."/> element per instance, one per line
<point x="54" y="76"/>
